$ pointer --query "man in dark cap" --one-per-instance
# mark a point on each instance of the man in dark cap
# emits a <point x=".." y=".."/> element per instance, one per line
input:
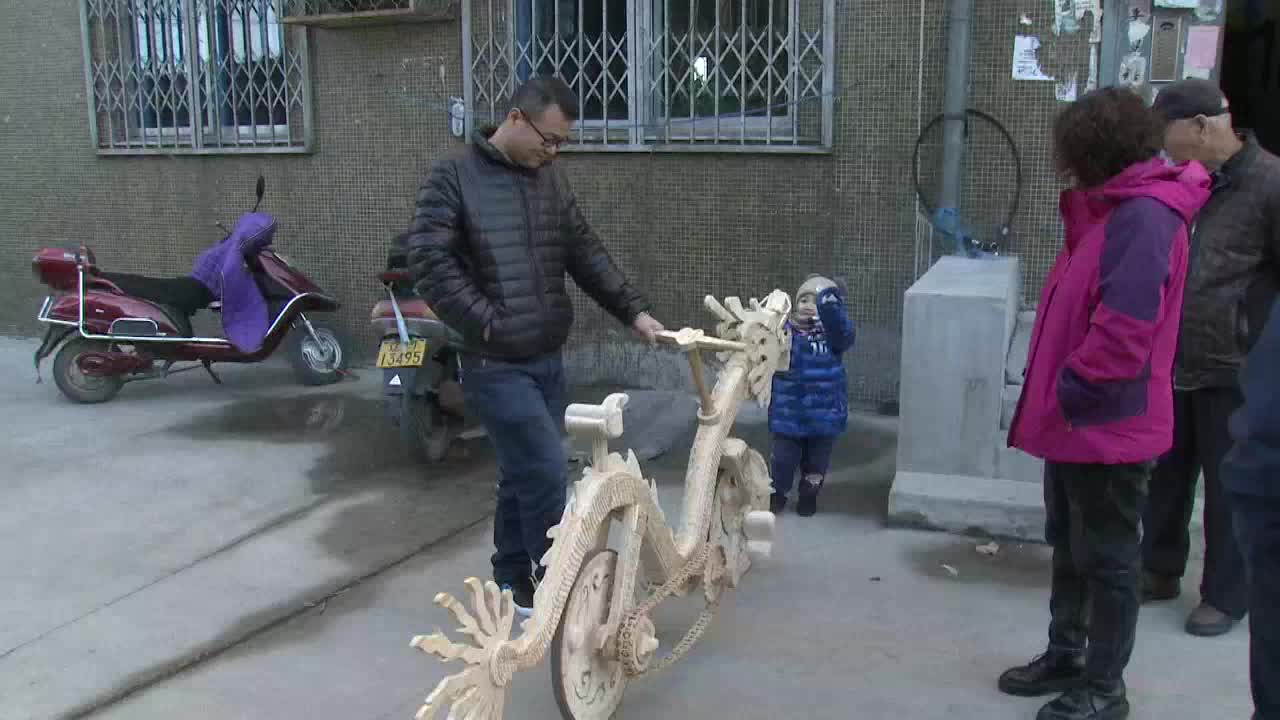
<point x="1233" y="277"/>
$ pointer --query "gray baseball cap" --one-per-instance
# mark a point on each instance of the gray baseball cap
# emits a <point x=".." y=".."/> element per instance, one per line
<point x="1189" y="98"/>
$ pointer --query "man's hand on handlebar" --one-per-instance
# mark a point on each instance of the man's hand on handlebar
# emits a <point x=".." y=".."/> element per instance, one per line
<point x="647" y="328"/>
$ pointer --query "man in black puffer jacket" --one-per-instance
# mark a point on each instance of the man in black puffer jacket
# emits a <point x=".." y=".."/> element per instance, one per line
<point x="496" y="230"/>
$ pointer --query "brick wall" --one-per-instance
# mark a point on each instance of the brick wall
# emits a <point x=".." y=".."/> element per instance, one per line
<point x="683" y="225"/>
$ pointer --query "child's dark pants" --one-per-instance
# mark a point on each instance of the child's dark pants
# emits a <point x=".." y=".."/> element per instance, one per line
<point x="811" y="456"/>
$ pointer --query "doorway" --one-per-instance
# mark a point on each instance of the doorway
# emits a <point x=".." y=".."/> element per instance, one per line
<point x="1250" y="74"/>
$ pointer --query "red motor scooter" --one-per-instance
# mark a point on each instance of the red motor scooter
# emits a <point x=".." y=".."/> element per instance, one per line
<point x="120" y="327"/>
<point x="418" y="356"/>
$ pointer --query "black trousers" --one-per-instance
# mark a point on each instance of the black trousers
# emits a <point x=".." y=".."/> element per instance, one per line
<point x="1200" y="441"/>
<point x="1093" y="521"/>
<point x="1257" y="526"/>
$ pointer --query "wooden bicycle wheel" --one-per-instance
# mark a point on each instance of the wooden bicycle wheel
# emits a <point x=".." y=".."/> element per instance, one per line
<point x="587" y="685"/>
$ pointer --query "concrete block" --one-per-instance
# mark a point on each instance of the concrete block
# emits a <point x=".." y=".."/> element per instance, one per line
<point x="977" y="506"/>
<point x="958" y="321"/>
<point x="969" y="505"/>
<point x="1013" y="464"/>
<point x="1018" y="348"/>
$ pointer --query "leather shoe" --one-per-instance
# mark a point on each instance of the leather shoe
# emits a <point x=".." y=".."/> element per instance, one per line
<point x="1087" y="703"/>
<point x="1157" y="587"/>
<point x="1208" y="621"/>
<point x="1054" y="671"/>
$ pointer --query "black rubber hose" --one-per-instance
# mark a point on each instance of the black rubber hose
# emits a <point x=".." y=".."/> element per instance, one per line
<point x="1017" y="163"/>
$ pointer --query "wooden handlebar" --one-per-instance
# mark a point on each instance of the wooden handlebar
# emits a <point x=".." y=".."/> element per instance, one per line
<point x="689" y="339"/>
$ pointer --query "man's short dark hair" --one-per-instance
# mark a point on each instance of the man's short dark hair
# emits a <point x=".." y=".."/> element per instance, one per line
<point x="543" y="91"/>
<point x="1103" y="133"/>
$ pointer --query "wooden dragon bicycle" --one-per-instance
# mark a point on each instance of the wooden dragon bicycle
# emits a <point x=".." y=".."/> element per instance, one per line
<point x="585" y="610"/>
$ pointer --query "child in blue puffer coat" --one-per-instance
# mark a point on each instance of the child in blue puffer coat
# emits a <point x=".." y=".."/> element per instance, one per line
<point x="810" y="407"/>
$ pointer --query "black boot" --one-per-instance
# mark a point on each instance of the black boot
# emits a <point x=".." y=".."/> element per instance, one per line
<point x="1088" y="702"/>
<point x="807" y="504"/>
<point x="1054" y="671"/>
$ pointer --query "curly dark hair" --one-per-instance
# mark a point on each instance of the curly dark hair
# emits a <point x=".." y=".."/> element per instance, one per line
<point x="1104" y="132"/>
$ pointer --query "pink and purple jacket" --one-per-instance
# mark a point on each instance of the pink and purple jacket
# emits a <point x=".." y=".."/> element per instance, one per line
<point x="1099" y="385"/>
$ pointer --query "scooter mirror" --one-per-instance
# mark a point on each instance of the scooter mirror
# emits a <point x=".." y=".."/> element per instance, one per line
<point x="259" y="189"/>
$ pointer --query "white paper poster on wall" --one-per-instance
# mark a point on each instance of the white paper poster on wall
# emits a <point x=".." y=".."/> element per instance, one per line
<point x="1026" y="65"/>
<point x="1133" y="69"/>
<point x="1067" y="88"/>
<point x="1068" y="14"/>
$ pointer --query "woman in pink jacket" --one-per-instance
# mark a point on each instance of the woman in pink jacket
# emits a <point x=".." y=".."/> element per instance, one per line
<point x="1097" y="404"/>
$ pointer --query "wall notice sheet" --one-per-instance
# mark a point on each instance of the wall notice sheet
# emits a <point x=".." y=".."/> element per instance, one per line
<point x="1202" y="47"/>
<point x="1026" y="66"/>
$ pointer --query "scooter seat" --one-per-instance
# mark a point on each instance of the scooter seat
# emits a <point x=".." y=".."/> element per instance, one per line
<point x="184" y="295"/>
<point x="409" y="308"/>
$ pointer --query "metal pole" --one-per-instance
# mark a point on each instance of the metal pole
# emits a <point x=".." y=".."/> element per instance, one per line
<point x="959" y="55"/>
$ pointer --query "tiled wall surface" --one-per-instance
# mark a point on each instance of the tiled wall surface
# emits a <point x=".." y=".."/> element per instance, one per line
<point x="682" y="225"/>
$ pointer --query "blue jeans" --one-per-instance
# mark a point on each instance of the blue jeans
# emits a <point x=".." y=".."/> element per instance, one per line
<point x="811" y="455"/>
<point x="521" y="406"/>
<point x="1257" y="528"/>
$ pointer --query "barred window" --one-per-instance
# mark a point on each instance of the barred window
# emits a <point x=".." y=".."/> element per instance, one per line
<point x="194" y="76"/>
<point x="670" y="74"/>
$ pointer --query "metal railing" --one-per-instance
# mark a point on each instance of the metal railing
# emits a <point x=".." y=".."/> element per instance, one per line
<point x="194" y="76"/>
<point x="663" y="74"/>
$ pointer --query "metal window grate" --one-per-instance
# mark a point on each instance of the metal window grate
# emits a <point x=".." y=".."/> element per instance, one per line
<point x="194" y="76"/>
<point x="333" y="7"/>
<point x="360" y="13"/>
<point x="665" y="74"/>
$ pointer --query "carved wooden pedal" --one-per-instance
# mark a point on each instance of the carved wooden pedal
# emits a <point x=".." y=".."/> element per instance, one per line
<point x="758" y="526"/>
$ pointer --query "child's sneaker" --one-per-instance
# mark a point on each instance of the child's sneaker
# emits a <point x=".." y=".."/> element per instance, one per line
<point x="777" y="503"/>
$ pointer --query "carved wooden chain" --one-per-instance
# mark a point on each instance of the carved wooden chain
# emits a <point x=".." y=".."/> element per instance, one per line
<point x="629" y="631"/>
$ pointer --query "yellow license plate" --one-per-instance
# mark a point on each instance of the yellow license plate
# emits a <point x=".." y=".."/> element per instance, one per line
<point x="394" y="354"/>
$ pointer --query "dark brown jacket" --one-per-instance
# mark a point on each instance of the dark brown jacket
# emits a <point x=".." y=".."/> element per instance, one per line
<point x="490" y="245"/>
<point x="1234" y="272"/>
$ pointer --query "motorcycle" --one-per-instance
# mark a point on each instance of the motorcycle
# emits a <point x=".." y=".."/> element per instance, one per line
<point x="120" y="327"/>
<point x="419" y="358"/>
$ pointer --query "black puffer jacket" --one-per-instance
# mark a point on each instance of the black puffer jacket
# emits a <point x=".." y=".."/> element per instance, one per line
<point x="1234" y="271"/>
<point x="490" y="245"/>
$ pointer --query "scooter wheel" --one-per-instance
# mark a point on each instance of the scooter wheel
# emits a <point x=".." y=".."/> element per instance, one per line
<point x="319" y="360"/>
<point x="72" y="381"/>
<point x="424" y="428"/>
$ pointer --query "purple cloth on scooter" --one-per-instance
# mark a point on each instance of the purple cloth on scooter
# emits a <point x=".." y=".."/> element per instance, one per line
<point x="223" y="271"/>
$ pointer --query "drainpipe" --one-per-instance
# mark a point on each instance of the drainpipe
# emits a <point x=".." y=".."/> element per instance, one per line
<point x="955" y="103"/>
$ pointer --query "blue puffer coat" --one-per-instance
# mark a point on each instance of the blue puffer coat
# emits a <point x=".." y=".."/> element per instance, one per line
<point x="811" y="399"/>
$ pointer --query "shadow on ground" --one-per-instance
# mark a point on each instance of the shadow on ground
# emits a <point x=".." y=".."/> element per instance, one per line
<point x="392" y="506"/>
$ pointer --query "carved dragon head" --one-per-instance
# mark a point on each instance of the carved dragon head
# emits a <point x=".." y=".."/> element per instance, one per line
<point x="762" y="328"/>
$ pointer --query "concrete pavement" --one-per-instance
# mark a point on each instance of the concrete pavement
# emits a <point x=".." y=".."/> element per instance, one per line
<point x="234" y="564"/>
<point x="146" y="533"/>
<point x="848" y="621"/>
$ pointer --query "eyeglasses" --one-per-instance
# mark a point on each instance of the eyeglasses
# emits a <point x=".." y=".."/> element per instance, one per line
<point x="550" y="142"/>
